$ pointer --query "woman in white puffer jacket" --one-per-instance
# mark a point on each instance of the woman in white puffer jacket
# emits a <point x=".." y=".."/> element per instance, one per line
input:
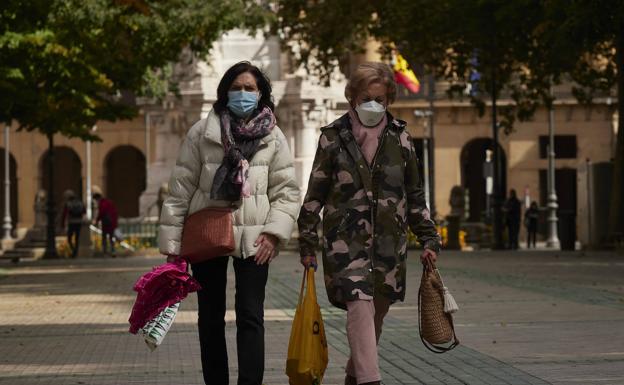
<point x="236" y="157"/>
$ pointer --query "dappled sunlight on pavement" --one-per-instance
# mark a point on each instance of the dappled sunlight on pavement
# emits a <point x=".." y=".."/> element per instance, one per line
<point x="533" y="318"/>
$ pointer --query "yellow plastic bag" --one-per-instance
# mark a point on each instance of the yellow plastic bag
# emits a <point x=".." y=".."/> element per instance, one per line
<point x="307" y="349"/>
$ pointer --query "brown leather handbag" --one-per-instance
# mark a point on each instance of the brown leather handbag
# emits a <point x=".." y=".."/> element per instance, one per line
<point x="435" y="305"/>
<point x="207" y="233"/>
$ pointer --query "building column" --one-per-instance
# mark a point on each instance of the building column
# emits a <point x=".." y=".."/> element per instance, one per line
<point x="306" y="140"/>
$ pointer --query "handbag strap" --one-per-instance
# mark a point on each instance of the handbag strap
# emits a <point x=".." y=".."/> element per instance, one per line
<point x="305" y="274"/>
<point x="439" y="349"/>
<point x="311" y="288"/>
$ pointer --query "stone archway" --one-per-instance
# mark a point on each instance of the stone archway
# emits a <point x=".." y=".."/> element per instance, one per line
<point x="67" y="175"/>
<point x="472" y="159"/>
<point x="125" y="179"/>
<point x="13" y="189"/>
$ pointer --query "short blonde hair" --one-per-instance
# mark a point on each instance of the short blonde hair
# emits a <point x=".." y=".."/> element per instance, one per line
<point x="368" y="73"/>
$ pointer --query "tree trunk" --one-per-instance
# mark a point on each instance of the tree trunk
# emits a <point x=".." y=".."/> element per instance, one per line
<point x="50" y="251"/>
<point x="616" y="219"/>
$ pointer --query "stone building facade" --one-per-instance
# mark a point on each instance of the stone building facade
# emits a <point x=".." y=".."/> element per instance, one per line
<point x="135" y="157"/>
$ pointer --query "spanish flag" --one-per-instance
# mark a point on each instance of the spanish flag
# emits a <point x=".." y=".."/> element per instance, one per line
<point x="404" y="75"/>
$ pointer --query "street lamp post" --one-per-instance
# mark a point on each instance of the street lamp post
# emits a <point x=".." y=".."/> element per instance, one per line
<point x="7" y="185"/>
<point x="488" y="173"/>
<point x="431" y="142"/>
<point x="148" y="141"/>
<point x="427" y="180"/>
<point x="426" y="171"/>
<point x="553" y="239"/>
<point x="88" y="192"/>
<point x="50" y="251"/>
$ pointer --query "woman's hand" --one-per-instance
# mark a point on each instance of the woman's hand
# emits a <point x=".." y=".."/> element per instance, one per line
<point x="309" y="261"/>
<point x="266" y="244"/>
<point x="428" y="257"/>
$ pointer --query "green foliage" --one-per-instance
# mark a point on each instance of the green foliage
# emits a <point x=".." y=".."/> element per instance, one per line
<point x="326" y="31"/>
<point x="453" y="39"/>
<point x="524" y="45"/>
<point x="586" y="41"/>
<point x="580" y="37"/>
<point x="65" y="64"/>
<point x="519" y="48"/>
<point x="158" y="83"/>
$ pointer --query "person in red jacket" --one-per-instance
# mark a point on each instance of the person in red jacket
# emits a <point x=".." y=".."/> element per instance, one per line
<point x="107" y="216"/>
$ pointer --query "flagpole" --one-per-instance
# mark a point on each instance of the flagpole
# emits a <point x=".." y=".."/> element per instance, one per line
<point x="426" y="168"/>
<point x="8" y="225"/>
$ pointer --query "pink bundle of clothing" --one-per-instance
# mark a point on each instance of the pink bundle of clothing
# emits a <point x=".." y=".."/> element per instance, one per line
<point x="165" y="285"/>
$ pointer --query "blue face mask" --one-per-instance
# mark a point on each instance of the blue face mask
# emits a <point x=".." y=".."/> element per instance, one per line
<point x="242" y="103"/>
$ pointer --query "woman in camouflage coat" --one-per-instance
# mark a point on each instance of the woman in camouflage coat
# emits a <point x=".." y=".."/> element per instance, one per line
<point x="365" y="179"/>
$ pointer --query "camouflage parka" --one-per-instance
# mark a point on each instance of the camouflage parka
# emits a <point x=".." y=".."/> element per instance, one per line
<point x="366" y="212"/>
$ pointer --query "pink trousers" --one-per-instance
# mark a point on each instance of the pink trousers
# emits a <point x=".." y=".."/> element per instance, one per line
<point x="364" y="321"/>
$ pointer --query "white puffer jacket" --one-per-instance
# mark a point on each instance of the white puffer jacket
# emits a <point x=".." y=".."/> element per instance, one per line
<point x="272" y="207"/>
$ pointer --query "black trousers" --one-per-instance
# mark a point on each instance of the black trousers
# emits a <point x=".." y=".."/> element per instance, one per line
<point x="531" y="236"/>
<point x="73" y="237"/>
<point x="108" y="238"/>
<point x="250" y="286"/>
<point x="514" y="230"/>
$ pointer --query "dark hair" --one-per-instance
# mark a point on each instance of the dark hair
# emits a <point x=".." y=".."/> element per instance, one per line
<point x="264" y="86"/>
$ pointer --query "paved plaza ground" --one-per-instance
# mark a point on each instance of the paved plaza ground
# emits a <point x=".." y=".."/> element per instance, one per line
<point x="525" y="318"/>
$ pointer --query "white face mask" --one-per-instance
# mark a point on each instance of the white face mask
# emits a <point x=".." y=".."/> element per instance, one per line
<point x="370" y="113"/>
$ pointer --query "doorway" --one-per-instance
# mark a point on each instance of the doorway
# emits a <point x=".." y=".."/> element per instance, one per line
<point x="472" y="160"/>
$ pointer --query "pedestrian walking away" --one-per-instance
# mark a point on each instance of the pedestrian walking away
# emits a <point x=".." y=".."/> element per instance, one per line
<point x="236" y="157"/>
<point x="365" y="179"/>
<point x="107" y="217"/>
<point x="73" y="214"/>
<point x="531" y="217"/>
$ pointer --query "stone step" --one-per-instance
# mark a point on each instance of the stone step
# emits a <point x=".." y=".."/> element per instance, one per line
<point x="15" y="255"/>
<point x="29" y="244"/>
<point x="30" y="252"/>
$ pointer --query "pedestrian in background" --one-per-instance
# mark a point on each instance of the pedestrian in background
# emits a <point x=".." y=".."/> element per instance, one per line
<point x="237" y="157"/>
<point x="531" y="217"/>
<point x="513" y="216"/>
<point x="365" y="179"/>
<point x="73" y="214"/>
<point x="107" y="217"/>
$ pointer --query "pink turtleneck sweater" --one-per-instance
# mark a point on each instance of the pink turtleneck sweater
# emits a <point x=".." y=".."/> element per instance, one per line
<point x="367" y="137"/>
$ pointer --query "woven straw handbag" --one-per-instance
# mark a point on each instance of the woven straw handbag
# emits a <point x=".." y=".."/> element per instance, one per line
<point x="435" y="306"/>
<point x="207" y="234"/>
